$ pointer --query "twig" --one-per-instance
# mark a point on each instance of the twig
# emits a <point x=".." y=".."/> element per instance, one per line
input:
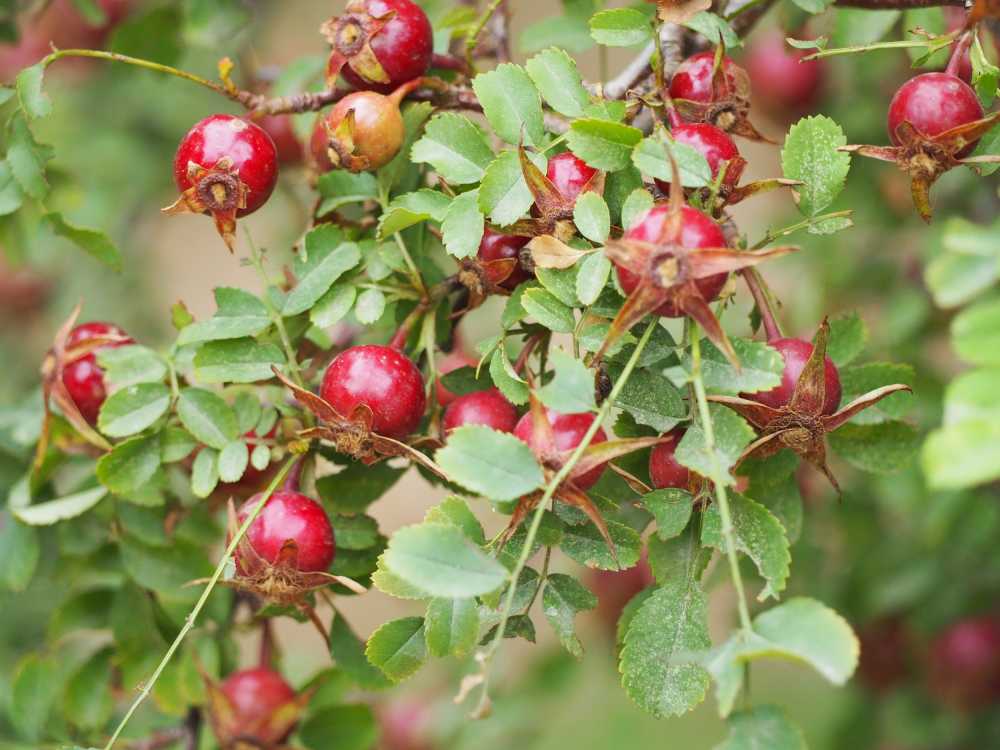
<point x="763" y="301"/>
<point x="473" y="39"/>
<point x="632" y="74"/>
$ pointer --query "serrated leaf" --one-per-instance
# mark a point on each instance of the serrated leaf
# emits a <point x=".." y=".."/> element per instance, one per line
<point x="463" y="225"/>
<point x="572" y="389"/>
<point x="92" y="241"/>
<point x="207" y="417"/>
<point x="559" y="81"/>
<point x="762" y="728"/>
<point x="333" y="306"/>
<point x="413" y="208"/>
<point x="33" y="691"/>
<point x="327" y="261"/>
<point x="621" y="27"/>
<point x="455" y="511"/>
<point x="810" y="155"/>
<point x="592" y="217"/>
<point x="493" y="464"/>
<point x="131" y="465"/>
<point x="345" y="727"/>
<point x="586" y="545"/>
<point x="88" y="702"/>
<point x="33" y="100"/>
<point x="370" y="306"/>
<point x="131" y="410"/>
<point x="349" y="654"/>
<point x="671" y="508"/>
<point x="11" y="197"/>
<point x="504" y="195"/>
<point x="878" y="448"/>
<point x="592" y="277"/>
<point x="61" y="509"/>
<point x="502" y="373"/>
<point x="233" y="460"/>
<point x="732" y="435"/>
<point x="340" y="187"/>
<point x="398" y="647"/>
<point x="603" y="144"/>
<point x="27" y="161"/>
<point x="848" y="337"/>
<point x="511" y="104"/>
<point x="19" y="553"/>
<point x="652" y="400"/>
<point x="237" y="361"/>
<point x="561" y="282"/>
<point x="356" y="486"/>
<point x="636" y="205"/>
<point x="856" y="380"/>
<point x="650" y="158"/>
<point x="239" y="314"/>
<point x="714" y="28"/>
<point x="168" y="569"/>
<point x="129" y="365"/>
<point x="544" y="307"/>
<point x="455" y="147"/>
<point x="451" y="626"/>
<point x="974" y="332"/>
<point x="563" y="598"/>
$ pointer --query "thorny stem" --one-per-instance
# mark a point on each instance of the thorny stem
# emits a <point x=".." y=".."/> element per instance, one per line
<point x="756" y="285"/>
<point x="720" y="489"/>
<point x="536" y="519"/>
<point x="200" y="604"/>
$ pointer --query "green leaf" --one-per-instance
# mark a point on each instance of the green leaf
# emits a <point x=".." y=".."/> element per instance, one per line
<point x="621" y="27"/>
<point x="972" y="396"/>
<point x="860" y="379"/>
<point x="237" y="361"/>
<point x="205" y="472"/>
<point x="370" y="306"/>
<point x="328" y="259"/>
<point x="463" y="225"/>
<point x="544" y="307"/>
<point x="504" y="195"/>
<point x="455" y="147"/>
<point x="88" y="703"/>
<point x="585" y="544"/>
<point x="166" y="569"/>
<point x="714" y="28"/>
<point x="19" y="552"/>
<point x="985" y="75"/>
<point x="27" y="161"/>
<point x="207" y="417"/>
<point x="762" y="728"/>
<point x="650" y="158"/>
<point x="572" y="389"/>
<point x="233" y="460"/>
<point x="11" y="197"/>
<point x="93" y="242"/>
<point x="636" y="205"/>
<point x="239" y="314"/>
<point x="340" y="187"/>
<point x="345" y="727"/>
<point x="671" y="508"/>
<point x="810" y="155"/>
<point x="559" y="81"/>
<point x="758" y="535"/>
<point x="562" y="599"/>
<point x="561" y="282"/>
<point x="414" y="117"/>
<point x="493" y="464"/>
<point x="438" y="559"/>
<point x="603" y="144"/>
<point x="33" y="692"/>
<point x="131" y="410"/>
<point x="61" y="509"/>
<point x="398" y="647"/>
<point x="33" y="100"/>
<point x="348" y="652"/>
<point x="356" y="486"/>
<point x="975" y="332"/>
<point x="451" y="626"/>
<point x="511" y="104"/>
<point x="963" y="455"/>
<point x="502" y="373"/>
<point x="652" y="399"/>
<point x="732" y="435"/>
<point x="125" y="366"/>
<point x="879" y="448"/>
<point x="131" y="465"/>
<point x="848" y="338"/>
<point x="656" y="662"/>
<point x="412" y="208"/>
<point x="592" y="217"/>
<point x="592" y="277"/>
<point x="455" y="511"/>
<point x="333" y="306"/>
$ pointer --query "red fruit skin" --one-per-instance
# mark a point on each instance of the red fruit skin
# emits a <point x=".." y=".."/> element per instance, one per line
<point x="381" y="378"/>
<point x="569" y="174"/>
<point x="693" y="78"/>
<point x="664" y="471"/>
<point x="934" y="103"/>
<point x="712" y="143"/>
<point x="378" y="129"/>
<point x="615" y="588"/>
<point x="403" y="46"/>
<point x="254" y="693"/>
<point x="488" y="408"/>
<point x="955" y="19"/>
<point x="780" y="79"/>
<point x="883" y="660"/>
<point x="796" y="353"/>
<point x="453" y="360"/>
<point x="84" y="378"/>
<point x="247" y="145"/>
<point x="568" y="430"/>
<point x="287" y="144"/>
<point x="497" y="246"/>
<point x="964" y="669"/>
<point x="697" y="231"/>
<point x="290" y="515"/>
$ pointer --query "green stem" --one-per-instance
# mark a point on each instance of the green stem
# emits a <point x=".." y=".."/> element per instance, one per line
<point x="720" y="489"/>
<point x="193" y="614"/>
<point x="771" y="235"/>
<point x="550" y="489"/>
<point x="473" y="39"/>
<point x="931" y="45"/>
<point x="415" y="277"/>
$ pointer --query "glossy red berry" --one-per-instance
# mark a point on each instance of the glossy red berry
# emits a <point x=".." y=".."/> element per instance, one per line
<point x="497" y="246"/>
<point x="796" y="353"/>
<point x="933" y="103"/>
<point x="364" y="131"/>
<point x="381" y="378"/>
<point x="955" y="19"/>
<point x="453" y="360"/>
<point x="965" y="664"/>
<point x="83" y="377"/>
<point x="286" y="141"/>
<point x="712" y="143"/>
<point x="396" y="32"/>
<point x="290" y="516"/>
<point x="568" y="430"/>
<point x="569" y="174"/>
<point x="254" y="696"/>
<point x="693" y="78"/>
<point x="697" y="231"/>
<point x="488" y="408"/>
<point x="664" y="469"/>
<point x="781" y="80"/>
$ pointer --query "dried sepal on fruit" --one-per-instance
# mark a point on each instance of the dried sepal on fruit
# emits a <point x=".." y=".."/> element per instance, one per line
<point x="802" y="424"/>
<point x="934" y="122"/>
<point x="253" y="708"/>
<point x="500" y="264"/>
<point x="680" y="11"/>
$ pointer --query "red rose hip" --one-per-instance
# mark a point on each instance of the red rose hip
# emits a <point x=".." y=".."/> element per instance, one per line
<point x="83" y="377"/>
<point x="796" y="353"/>
<point x="693" y="78"/>
<point x="567" y="430"/>
<point x="381" y="378"/>
<point x="711" y="142"/>
<point x="664" y="470"/>
<point x="364" y="131"/>
<point x="258" y="700"/>
<point x="933" y="103"/>
<point x="697" y="231"/>
<point x="497" y="246"/>
<point x="781" y="80"/>
<point x="289" y="516"/>
<point x="488" y="408"/>
<point x="569" y="174"/>
<point x="225" y="167"/>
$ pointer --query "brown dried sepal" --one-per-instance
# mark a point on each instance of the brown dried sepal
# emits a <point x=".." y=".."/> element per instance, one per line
<point x="340" y="146"/>
<point x="680" y="11"/>
<point x="801" y="425"/>
<point x="350" y="36"/>
<point x="352" y="435"/>
<point x="54" y="390"/>
<point x="217" y="191"/>
<point x="234" y="732"/>
<point x="926" y="158"/>
<point x="484" y="278"/>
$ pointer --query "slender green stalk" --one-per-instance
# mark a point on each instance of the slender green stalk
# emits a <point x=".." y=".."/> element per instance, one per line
<point x="193" y="614"/>
<point x="473" y="39"/>
<point x="720" y="489"/>
<point x="931" y="45"/>
<point x="771" y="235"/>
<point x="550" y="489"/>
